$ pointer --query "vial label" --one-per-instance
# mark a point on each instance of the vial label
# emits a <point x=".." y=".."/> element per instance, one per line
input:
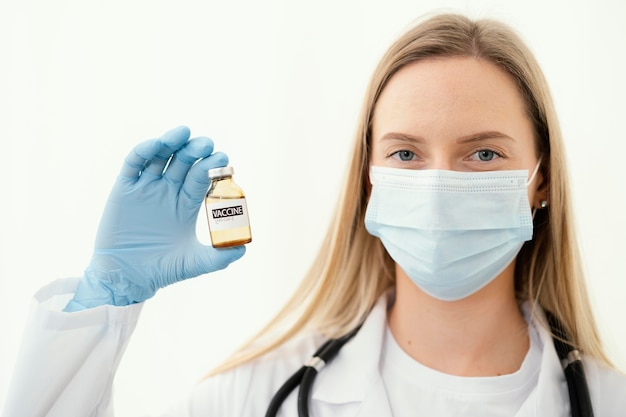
<point x="227" y="214"/>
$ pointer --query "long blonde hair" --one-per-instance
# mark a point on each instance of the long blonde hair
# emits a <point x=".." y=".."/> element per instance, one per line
<point x="352" y="269"/>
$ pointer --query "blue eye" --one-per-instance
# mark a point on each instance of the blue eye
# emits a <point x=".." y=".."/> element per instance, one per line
<point x="403" y="155"/>
<point x="486" y="155"/>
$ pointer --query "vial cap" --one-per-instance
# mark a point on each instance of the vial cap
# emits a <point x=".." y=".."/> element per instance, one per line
<point x="221" y="172"/>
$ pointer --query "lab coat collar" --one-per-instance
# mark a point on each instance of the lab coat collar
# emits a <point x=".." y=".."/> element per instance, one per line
<point x="354" y="376"/>
<point x="551" y="397"/>
<point x="353" y="379"/>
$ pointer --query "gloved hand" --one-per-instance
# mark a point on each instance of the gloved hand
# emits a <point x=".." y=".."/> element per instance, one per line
<point x="147" y="234"/>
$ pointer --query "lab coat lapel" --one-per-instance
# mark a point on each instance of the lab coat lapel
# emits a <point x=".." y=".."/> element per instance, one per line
<point x="550" y="397"/>
<point x="351" y="385"/>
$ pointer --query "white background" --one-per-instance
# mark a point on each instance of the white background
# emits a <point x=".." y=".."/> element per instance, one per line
<point x="278" y="85"/>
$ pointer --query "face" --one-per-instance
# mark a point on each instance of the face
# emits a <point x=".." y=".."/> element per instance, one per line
<point x="460" y="114"/>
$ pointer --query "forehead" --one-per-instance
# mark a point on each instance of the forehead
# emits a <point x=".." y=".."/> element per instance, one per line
<point x="467" y="92"/>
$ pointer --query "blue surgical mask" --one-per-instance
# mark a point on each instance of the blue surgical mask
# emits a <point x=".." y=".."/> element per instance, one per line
<point x="451" y="232"/>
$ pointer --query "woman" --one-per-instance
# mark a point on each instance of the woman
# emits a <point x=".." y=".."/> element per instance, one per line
<point x="453" y="241"/>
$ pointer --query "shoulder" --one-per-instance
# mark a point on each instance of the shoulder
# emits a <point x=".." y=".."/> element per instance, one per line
<point x="607" y="387"/>
<point x="247" y="389"/>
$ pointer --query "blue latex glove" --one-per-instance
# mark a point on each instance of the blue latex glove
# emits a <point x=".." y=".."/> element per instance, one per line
<point x="147" y="235"/>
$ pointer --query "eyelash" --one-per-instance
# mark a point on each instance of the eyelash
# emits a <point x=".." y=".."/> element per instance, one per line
<point x="411" y="155"/>
<point x="397" y="154"/>
<point x="495" y="154"/>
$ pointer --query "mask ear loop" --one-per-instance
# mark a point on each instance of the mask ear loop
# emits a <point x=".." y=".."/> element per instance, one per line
<point x="534" y="174"/>
<point x="544" y="203"/>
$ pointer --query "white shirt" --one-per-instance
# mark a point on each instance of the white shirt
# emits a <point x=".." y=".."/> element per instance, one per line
<point x="414" y="389"/>
<point x="68" y="360"/>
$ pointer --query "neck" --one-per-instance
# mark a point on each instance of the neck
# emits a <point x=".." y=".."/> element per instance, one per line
<point x="484" y="334"/>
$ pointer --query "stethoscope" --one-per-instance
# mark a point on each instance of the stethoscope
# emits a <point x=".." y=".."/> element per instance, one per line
<point x="571" y="361"/>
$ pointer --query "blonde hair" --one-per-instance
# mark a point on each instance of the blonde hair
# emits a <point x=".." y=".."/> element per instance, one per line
<point x="352" y="269"/>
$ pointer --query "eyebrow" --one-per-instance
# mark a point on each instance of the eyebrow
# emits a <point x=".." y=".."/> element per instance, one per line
<point x="477" y="137"/>
<point x="474" y="137"/>
<point x="403" y="137"/>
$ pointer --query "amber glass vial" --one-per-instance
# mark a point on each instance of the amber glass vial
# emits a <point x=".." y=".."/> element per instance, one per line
<point x="226" y="210"/>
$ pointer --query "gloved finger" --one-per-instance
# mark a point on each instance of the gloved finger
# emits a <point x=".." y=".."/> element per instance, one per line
<point x="135" y="161"/>
<point x="197" y="180"/>
<point x="153" y="152"/>
<point x="184" y="158"/>
<point x="171" y="141"/>
<point x="156" y="165"/>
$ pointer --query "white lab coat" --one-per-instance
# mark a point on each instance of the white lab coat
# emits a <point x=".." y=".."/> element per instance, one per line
<point x="68" y="361"/>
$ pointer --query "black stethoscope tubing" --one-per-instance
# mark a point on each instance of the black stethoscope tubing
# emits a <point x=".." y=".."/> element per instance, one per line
<point x="572" y="363"/>
<point x="580" y="400"/>
<point x="306" y="375"/>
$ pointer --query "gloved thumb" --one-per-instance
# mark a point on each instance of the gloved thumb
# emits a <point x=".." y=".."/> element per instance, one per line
<point x="199" y="261"/>
<point x="217" y="259"/>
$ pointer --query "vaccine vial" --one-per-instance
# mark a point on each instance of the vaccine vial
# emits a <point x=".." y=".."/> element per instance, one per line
<point x="226" y="210"/>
